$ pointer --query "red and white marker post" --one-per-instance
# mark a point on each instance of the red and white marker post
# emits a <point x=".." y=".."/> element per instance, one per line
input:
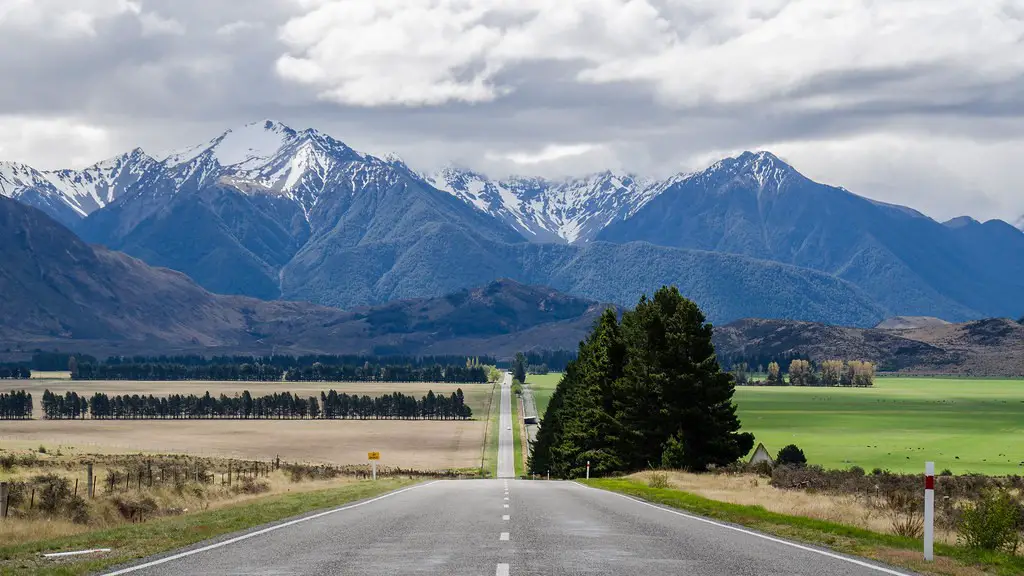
<point x="588" y="469"/>
<point x="929" y="510"/>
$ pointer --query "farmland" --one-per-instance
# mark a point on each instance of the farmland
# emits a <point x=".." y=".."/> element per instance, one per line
<point x="964" y="425"/>
<point x="410" y="444"/>
<point x="543" y="386"/>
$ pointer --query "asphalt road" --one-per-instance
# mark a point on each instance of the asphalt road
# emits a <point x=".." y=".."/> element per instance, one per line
<point x="506" y="527"/>
<point x="506" y="453"/>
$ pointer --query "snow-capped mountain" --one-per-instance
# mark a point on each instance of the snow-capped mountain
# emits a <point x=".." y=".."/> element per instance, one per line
<point x="70" y="195"/>
<point x="569" y="210"/>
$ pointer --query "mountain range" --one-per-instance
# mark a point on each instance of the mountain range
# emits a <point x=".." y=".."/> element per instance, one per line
<point x="274" y="213"/>
<point x="60" y="292"/>
<point x="989" y="347"/>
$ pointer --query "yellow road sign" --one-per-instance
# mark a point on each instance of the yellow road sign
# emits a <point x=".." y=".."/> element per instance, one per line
<point x="373" y="455"/>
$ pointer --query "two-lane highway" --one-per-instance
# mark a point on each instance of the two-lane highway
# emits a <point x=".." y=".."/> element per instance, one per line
<point x="506" y="452"/>
<point x="507" y="527"/>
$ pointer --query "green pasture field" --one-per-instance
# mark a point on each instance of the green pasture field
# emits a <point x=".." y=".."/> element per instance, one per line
<point x="964" y="425"/>
<point x="543" y="386"/>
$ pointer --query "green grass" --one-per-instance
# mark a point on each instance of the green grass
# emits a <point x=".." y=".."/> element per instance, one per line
<point x="543" y="386"/>
<point x="133" y="541"/>
<point x="964" y="425"/>
<point x="489" y="462"/>
<point x="517" y="438"/>
<point x="897" y="425"/>
<point x="856" y="541"/>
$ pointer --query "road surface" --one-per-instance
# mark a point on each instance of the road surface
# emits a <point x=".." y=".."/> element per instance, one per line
<point x="506" y="528"/>
<point x="506" y="452"/>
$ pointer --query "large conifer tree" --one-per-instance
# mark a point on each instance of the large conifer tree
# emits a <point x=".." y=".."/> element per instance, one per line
<point x="644" y="393"/>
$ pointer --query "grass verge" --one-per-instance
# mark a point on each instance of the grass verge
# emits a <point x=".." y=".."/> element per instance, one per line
<point x="517" y="438"/>
<point x="133" y="541"/>
<point x="886" y="548"/>
<point x="489" y="461"/>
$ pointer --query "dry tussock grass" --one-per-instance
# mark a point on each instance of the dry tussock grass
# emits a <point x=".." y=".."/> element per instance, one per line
<point x="754" y="490"/>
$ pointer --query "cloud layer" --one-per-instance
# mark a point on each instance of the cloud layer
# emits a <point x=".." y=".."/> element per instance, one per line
<point x="918" y="101"/>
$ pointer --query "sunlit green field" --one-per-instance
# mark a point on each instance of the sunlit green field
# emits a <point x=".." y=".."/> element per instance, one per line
<point x="961" y="424"/>
<point x="543" y="387"/>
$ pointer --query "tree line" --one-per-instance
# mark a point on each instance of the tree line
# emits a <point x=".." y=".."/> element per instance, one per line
<point x="644" y="391"/>
<point x="805" y="373"/>
<point x="283" y="405"/>
<point x="17" y="405"/>
<point x="256" y="372"/>
<point x="14" y="372"/>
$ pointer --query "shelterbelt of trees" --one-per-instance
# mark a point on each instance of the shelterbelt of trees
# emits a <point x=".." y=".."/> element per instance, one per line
<point x="646" y="391"/>
<point x="256" y="372"/>
<point x="15" y="406"/>
<point x="284" y="405"/>
<point x="55" y="361"/>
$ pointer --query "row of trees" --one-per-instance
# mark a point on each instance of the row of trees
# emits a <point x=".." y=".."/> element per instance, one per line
<point x="330" y="405"/>
<point x="15" y="406"/>
<point x="257" y="372"/>
<point x="14" y="372"/>
<point x="451" y="373"/>
<point x="805" y="373"/>
<point x="646" y="391"/>
<point x="285" y="361"/>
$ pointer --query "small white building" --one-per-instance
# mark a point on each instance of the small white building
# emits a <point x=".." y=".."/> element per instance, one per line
<point x="761" y="455"/>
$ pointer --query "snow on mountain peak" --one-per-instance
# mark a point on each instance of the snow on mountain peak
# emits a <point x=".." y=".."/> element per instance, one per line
<point x="566" y="210"/>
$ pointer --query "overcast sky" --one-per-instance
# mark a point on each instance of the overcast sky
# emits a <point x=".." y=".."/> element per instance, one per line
<point x="918" y="102"/>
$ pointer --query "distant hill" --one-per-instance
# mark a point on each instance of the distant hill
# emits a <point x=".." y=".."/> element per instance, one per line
<point x="910" y="322"/>
<point x="60" y="292"/>
<point x="991" y="347"/>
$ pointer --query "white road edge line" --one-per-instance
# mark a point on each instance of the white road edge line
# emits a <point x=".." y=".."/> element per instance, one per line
<point x="75" y="553"/>
<point x="752" y="533"/>
<point x="264" y="531"/>
<point x="503" y="537"/>
<point x="502" y="570"/>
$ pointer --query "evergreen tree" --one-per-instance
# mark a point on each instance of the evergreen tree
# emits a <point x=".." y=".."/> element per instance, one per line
<point x="519" y="367"/>
<point x="646" y="392"/>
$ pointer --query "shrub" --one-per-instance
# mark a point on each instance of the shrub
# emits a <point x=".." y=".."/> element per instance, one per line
<point x="993" y="522"/>
<point x="906" y="512"/>
<point x="658" y="480"/>
<point x="791" y="455"/>
<point x="857" y="470"/>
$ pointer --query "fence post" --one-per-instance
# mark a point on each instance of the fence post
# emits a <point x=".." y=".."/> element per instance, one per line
<point x="89" y="480"/>
<point x="929" y="510"/>
<point x="4" y="495"/>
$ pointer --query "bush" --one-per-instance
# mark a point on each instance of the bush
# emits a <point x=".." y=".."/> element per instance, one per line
<point x="993" y="522"/>
<point x="906" y="512"/>
<point x="658" y="480"/>
<point x="791" y="455"/>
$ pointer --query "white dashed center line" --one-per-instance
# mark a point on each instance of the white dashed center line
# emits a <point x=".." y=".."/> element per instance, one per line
<point x="503" y="537"/>
<point x="505" y="517"/>
<point x="506" y="505"/>
<point x="502" y="570"/>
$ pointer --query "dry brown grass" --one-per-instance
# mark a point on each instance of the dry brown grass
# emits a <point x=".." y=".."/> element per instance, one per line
<point x="419" y="444"/>
<point x="57" y="375"/>
<point x="754" y="490"/>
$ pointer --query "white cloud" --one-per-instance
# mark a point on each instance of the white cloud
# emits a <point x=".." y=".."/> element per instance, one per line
<point x="430" y="52"/>
<point x="154" y="24"/>
<point x="549" y="153"/>
<point x="237" y="27"/>
<point x="63" y="18"/>
<point x="34" y="141"/>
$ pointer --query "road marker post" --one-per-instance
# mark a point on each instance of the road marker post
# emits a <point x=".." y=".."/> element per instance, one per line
<point x="929" y="510"/>
<point x="4" y="495"/>
<point x="373" y="457"/>
<point x="588" y="469"/>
